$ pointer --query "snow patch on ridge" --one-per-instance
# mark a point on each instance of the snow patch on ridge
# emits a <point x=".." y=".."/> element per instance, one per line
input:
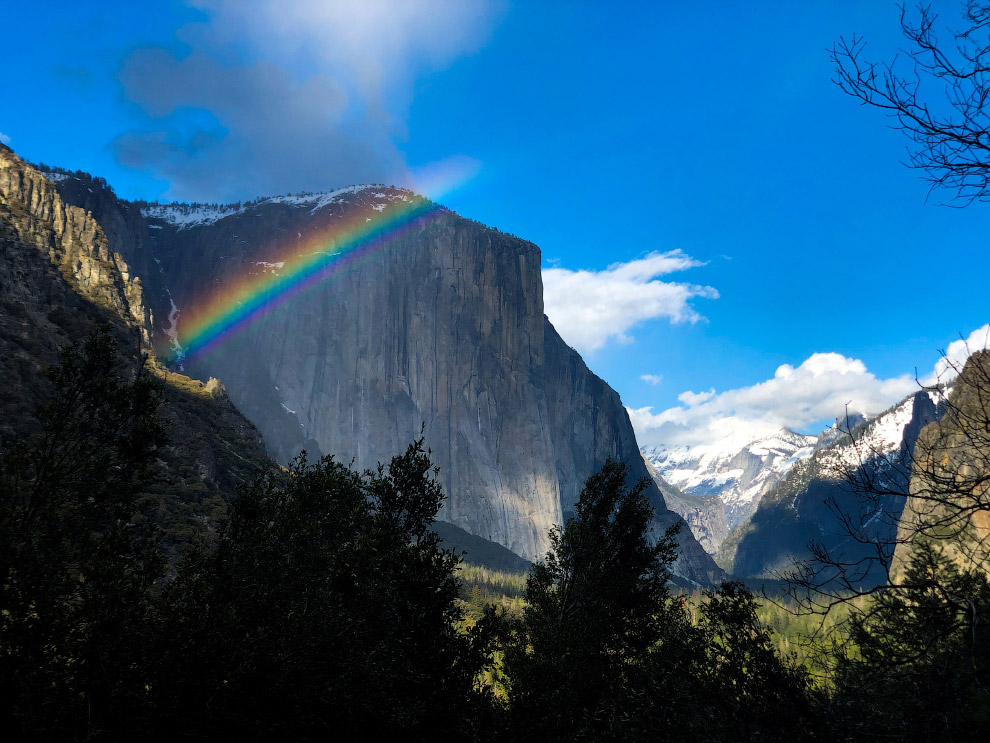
<point x="737" y="470"/>
<point x="56" y="177"/>
<point x="884" y="436"/>
<point x="270" y="267"/>
<point x="190" y="215"/>
<point x="184" y="216"/>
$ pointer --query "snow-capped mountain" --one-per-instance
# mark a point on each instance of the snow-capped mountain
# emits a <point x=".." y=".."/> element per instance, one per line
<point x="738" y="471"/>
<point x="817" y="502"/>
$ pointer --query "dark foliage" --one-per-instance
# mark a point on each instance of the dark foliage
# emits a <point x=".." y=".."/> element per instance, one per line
<point x="606" y="652"/>
<point x="751" y="692"/>
<point x="916" y="667"/>
<point x="77" y="563"/>
<point x="328" y="606"/>
<point x="597" y="606"/>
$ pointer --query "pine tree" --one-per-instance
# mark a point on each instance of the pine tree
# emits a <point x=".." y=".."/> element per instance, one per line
<point x="918" y="660"/>
<point x="77" y="563"/>
<point x="597" y="606"/>
<point x="329" y="607"/>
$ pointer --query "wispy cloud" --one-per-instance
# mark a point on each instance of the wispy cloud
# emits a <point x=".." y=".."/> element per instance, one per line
<point x="4" y="139"/>
<point x="289" y="96"/>
<point x="588" y="308"/>
<point x="437" y="179"/>
<point x="652" y="379"/>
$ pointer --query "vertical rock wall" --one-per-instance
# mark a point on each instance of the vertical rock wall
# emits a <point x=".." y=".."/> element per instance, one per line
<point x="441" y="332"/>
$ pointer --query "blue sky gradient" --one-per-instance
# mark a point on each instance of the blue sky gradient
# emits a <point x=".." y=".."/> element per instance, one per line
<point x="603" y="132"/>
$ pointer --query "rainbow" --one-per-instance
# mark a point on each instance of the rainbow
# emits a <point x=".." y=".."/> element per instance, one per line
<point x="318" y="258"/>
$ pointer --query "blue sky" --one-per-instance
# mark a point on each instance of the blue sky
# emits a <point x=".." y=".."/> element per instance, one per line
<point x="796" y="264"/>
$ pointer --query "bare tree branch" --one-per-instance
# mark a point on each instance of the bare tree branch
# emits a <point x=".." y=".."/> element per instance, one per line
<point x="936" y="92"/>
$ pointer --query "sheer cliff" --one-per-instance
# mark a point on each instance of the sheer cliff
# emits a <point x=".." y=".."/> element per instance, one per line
<point x="441" y="328"/>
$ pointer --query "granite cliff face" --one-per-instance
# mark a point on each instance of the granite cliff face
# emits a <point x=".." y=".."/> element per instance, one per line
<point x="437" y="328"/>
<point x="588" y="424"/>
<point x="442" y="328"/>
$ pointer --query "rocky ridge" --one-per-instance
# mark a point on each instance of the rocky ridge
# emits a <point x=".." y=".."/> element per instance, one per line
<point x="73" y="241"/>
<point x="60" y="275"/>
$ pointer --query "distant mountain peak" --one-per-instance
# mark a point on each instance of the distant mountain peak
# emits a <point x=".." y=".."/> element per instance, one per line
<point x="736" y="468"/>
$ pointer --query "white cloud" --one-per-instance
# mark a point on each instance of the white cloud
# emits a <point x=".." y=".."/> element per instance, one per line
<point x="821" y="387"/>
<point x="374" y="44"/>
<point x="589" y="307"/>
<point x="652" y="379"/>
<point x="4" y="139"/>
<point x="696" y="398"/>
<point x="955" y="355"/>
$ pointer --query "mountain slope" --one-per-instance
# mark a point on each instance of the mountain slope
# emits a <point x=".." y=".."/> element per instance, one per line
<point x="59" y="277"/>
<point x="949" y="501"/>
<point x="704" y="514"/>
<point x="808" y="505"/>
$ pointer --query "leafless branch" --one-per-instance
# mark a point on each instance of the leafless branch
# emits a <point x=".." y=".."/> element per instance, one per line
<point x="936" y="92"/>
